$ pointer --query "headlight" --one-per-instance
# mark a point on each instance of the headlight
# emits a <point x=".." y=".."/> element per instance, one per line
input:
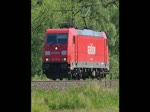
<point x="47" y="52"/>
<point x="56" y="48"/>
<point x="64" y="52"/>
<point x="63" y="59"/>
<point x="47" y="59"/>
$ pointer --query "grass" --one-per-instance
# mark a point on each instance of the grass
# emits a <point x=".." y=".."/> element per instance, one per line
<point x="90" y="98"/>
<point x="39" y="77"/>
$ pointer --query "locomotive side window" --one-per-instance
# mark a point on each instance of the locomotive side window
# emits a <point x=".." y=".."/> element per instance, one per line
<point x="57" y="38"/>
<point x="73" y="39"/>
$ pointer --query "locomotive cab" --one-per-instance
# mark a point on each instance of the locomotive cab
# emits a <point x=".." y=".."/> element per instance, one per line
<point x="55" y="53"/>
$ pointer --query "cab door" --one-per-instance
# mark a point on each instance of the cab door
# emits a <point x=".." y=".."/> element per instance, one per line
<point x="75" y="42"/>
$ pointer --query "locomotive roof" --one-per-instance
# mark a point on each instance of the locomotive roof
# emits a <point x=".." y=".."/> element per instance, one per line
<point x="88" y="32"/>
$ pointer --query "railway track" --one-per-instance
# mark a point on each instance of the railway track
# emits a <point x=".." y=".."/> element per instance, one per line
<point x="71" y="81"/>
<point x="65" y="84"/>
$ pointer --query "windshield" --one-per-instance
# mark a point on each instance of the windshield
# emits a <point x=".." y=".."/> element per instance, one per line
<point x="57" y="38"/>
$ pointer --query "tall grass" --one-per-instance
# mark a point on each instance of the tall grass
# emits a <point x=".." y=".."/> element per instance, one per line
<point x="39" y="77"/>
<point x="90" y="97"/>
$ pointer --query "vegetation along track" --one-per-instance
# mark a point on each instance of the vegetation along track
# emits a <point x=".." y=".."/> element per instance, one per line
<point x="63" y="85"/>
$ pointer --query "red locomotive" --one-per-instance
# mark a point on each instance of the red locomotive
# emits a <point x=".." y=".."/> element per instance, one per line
<point x="74" y="54"/>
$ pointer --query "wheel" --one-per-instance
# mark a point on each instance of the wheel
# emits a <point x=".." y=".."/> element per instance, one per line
<point x="61" y="78"/>
<point x="92" y="78"/>
<point x="98" y="78"/>
<point x="84" y="78"/>
<point x="78" y="77"/>
<point x="54" y="78"/>
<point x="69" y="76"/>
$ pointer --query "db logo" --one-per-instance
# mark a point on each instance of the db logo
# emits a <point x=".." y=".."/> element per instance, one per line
<point x="92" y="50"/>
